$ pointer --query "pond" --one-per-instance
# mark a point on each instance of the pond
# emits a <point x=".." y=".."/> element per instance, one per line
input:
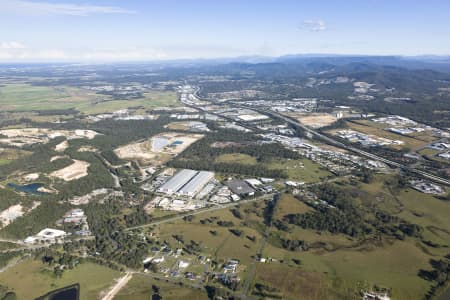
<point x="31" y="188"/>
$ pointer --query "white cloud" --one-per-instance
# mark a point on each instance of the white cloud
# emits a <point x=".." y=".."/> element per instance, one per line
<point x="11" y="45"/>
<point x="47" y="8"/>
<point x="314" y="25"/>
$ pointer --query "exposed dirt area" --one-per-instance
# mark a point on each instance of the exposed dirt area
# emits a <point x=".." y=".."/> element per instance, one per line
<point x="314" y="120"/>
<point x="13" y="212"/>
<point x="158" y="149"/>
<point x="28" y="136"/>
<point x="62" y="146"/>
<point x="75" y="171"/>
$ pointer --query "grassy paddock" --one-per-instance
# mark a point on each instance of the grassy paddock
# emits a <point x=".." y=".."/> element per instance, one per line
<point x="30" y="279"/>
<point x="140" y="288"/>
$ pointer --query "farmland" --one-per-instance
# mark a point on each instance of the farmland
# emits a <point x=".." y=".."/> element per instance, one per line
<point x="26" y="97"/>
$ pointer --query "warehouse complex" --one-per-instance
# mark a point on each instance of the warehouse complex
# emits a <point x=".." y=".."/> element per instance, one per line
<point x="186" y="183"/>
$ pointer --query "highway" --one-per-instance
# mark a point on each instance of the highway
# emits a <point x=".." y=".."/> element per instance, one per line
<point x="339" y="144"/>
<point x="356" y="150"/>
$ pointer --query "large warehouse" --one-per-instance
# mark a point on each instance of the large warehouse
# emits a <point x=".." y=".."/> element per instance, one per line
<point x="177" y="181"/>
<point x="186" y="183"/>
<point x="196" y="184"/>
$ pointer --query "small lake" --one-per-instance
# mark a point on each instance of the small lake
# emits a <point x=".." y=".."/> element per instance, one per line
<point x="31" y="188"/>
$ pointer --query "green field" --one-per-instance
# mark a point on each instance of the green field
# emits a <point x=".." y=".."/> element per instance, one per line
<point x="30" y="279"/>
<point x="390" y="263"/>
<point x="25" y="97"/>
<point x="8" y="155"/>
<point x="288" y="204"/>
<point x="140" y="288"/>
<point x="300" y="170"/>
<point x="236" y="158"/>
<point x="151" y="100"/>
<point x="293" y="281"/>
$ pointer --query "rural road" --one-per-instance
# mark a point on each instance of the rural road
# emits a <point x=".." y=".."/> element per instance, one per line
<point x="121" y="282"/>
<point x="201" y="211"/>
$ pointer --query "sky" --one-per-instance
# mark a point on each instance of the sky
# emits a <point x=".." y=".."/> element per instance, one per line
<point x="147" y="30"/>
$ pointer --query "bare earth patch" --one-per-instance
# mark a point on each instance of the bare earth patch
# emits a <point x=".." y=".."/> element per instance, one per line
<point x="28" y="136"/>
<point x="157" y="149"/>
<point x="13" y="212"/>
<point x="75" y="171"/>
<point x="314" y="120"/>
<point x="62" y="146"/>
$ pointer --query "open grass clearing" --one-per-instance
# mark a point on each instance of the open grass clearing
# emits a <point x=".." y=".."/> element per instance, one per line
<point x="300" y="169"/>
<point x="30" y="279"/>
<point x="393" y="265"/>
<point x="236" y="158"/>
<point x="288" y="204"/>
<point x="26" y="97"/>
<point x="293" y="282"/>
<point x="140" y="288"/>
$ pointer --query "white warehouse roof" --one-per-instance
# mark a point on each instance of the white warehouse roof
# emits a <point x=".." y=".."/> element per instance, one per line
<point x="196" y="184"/>
<point x="177" y="181"/>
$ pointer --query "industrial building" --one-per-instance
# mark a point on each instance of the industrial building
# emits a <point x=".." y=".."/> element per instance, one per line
<point x="187" y="183"/>
<point x="177" y="181"/>
<point x="196" y="184"/>
<point x="240" y="187"/>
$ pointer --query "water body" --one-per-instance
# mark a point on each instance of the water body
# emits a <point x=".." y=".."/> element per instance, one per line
<point x="31" y="188"/>
<point x="71" y="292"/>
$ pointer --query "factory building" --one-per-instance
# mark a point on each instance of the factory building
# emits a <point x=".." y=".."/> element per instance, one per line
<point x="240" y="187"/>
<point x="196" y="184"/>
<point x="187" y="183"/>
<point x="177" y="182"/>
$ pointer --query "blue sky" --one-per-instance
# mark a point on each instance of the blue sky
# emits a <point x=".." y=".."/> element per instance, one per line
<point x="101" y="30"/>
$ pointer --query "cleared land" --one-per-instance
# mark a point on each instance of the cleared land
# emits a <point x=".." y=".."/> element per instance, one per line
<point x="8" y="155"/>
<point x="157" y="149"/>
<point x="26" y="97"/>
<point x="290" y="282"/>
<point x="20" y="137"/>
<point x="140" y="288"/>
<point x="75" y="171"/>
<point x="31" y="279"/>
<point x="300" y="170"/>
<point x="151" y="100"/>
<point x="236" y="158"/>
<point x="314" y="120"/>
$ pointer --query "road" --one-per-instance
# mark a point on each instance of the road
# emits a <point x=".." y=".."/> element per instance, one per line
<point x="118" y="286"/>
<point x="201" y="211"/>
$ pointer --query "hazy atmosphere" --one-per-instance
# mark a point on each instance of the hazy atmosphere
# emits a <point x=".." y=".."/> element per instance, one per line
<point x="169" y="29"/>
